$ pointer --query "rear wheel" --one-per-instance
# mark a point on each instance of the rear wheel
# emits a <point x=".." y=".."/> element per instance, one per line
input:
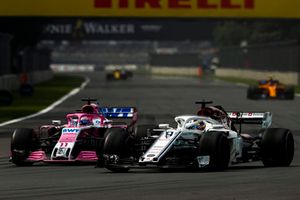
<point x="124" y="76"/>
<point x="22" y="142"/>
<point x="216" y="146"/>
<point x="277" y="147"/>
<point x="290" y="93"/>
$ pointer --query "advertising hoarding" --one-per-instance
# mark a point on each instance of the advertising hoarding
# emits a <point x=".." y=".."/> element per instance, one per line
<point x="153" y="8"/>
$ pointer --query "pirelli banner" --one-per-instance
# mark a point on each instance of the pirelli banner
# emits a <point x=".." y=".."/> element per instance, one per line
<point x="153" y="8"/>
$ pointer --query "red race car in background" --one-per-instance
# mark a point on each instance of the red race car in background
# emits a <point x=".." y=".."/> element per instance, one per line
<point x="79" y="140"/>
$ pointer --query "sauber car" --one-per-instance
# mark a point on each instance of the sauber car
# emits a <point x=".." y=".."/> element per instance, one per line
<point x="212" y="140"/>
<point x="80" y="140"/>
<point x="270" y="89"/>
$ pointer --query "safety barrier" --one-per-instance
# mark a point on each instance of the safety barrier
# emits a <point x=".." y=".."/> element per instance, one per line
<point x="12" y="81"/>
<point x="280" y="60"/>
<point x="175" y="71"/>
<point x="284" y="77"/>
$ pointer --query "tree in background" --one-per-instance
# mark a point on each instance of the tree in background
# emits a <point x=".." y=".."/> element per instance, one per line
<point x="264" y="32"/>
<point x="231" y="33"/>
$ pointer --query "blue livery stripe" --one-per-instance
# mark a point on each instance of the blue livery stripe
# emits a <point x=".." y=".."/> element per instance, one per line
<point x="117" y="112"/>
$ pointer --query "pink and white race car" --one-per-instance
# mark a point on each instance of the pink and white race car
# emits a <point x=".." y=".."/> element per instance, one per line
<point x="80" y="140"/>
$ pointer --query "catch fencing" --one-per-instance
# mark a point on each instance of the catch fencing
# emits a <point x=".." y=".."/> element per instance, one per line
<point x="34" y="59"/>
<point x="30" y="62"/>
<point x="176" y="60"/>
<point x="280" y="56"/>
<point x="5" y="54"/>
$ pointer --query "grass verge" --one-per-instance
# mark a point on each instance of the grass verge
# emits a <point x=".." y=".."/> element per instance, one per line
<point x="44" y="94"/>
<point x="247" y="81"/>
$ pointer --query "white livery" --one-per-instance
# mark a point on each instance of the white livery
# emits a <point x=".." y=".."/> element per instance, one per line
<point x="212" y="139"/>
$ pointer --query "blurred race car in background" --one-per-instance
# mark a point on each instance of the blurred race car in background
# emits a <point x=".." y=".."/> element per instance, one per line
<point x="77" y="141"/>
<point x="271" y="89"/>
<point x="208" y="140"/>
<point x="119" y="72"/>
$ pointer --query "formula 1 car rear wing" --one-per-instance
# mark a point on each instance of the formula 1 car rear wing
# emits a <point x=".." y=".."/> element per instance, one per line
<point x="263" y="118"/>
<point x="118" y="112"/>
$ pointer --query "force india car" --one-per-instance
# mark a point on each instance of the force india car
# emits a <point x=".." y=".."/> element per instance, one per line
<point x="270" y="89"/>
<point x="77" y="141"/>
<point x="208" y="140"/>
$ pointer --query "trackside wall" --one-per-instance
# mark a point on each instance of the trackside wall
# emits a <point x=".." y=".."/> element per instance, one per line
<point x="175" y="64"/>
<point x="12" y="81"/>
<point x="174" y="71"/>
<point x="284" y="77"/>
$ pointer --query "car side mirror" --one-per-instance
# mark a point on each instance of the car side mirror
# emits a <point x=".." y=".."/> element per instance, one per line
<point x="56" y="122"/>
<point x="164" y="126"/>
<point x="108" y="121"/>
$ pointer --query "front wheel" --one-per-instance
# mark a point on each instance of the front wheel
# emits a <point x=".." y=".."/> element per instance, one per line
<point x="217" y="147"/>
<point x="277" y="147"/>
<point x="22" y="142"/>
<point x="290" y="93"/>
<point x="253" y="92"/>
<point x="115" y="143"/>
<point x="144" y="130"/>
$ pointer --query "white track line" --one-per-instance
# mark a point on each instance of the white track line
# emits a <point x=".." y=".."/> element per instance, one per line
<point x="51" y="107"/>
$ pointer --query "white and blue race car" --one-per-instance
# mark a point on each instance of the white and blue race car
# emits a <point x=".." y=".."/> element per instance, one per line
<point x="208" y="140"/>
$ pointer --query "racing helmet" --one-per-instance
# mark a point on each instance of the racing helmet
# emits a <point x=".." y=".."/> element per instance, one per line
<point x="84" y="121"/>
<point x="87" y="109"/>
<point x="196" y="125"/>
<point x="200" y="125"/>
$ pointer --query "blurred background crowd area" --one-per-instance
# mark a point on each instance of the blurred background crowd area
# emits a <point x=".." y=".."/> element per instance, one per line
<point x="29" y="45"/>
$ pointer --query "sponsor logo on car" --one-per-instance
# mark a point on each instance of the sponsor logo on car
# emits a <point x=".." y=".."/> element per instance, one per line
<point x="70" y="130"/>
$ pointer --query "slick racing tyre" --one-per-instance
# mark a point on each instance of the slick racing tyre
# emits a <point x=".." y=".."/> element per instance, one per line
<point x="115" y="144"/>
<point x="277" y="147"/>
<point x="22" y="142"/>
<point x="253" y="92"/>
<point x="289" y="93"/>
<point x="141" y="135"/>
<point x="144" y="131"/>
<point x="109" y="77"/>
<point x="124" y="76"/>
<point x="217" y="147"/>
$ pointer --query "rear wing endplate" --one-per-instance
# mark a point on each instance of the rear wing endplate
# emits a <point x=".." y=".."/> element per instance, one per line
<point x="263" y="118"/>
